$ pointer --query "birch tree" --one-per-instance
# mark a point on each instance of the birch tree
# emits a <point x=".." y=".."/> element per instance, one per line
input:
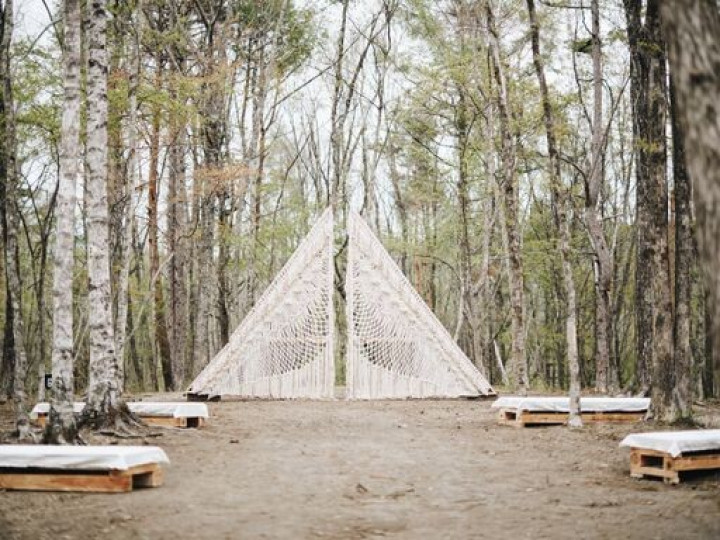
<point x="61" y="426"/>
<point x="103" y="402"/>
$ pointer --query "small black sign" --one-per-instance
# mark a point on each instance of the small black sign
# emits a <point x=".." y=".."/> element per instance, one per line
<point x="48" y="381"/>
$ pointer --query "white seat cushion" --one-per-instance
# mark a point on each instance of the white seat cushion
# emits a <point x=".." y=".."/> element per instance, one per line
<point x="561" y="404"/>
<point x="179" y="409"/>
<point x="79" y="457"/>
<point x="675" y="442"/>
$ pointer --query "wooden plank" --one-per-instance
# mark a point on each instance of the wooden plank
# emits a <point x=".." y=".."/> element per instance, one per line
<point x="70" y="481"/>
<point x="645" y="462"/>
<point x="111" y="481"/>
<point x="169" y="421"/>
<point x="164" y="421"/>
<point x="613" y="417"/>
<point x="522" y="418"/>
<point x="696" y="463"/>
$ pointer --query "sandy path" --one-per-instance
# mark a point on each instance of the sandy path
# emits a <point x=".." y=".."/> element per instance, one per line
<point x="421" y="469"/>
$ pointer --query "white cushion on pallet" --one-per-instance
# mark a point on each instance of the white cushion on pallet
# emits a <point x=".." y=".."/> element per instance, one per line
<point x="179" y="409"/>
<point x="79" y="457"/>
<point x="675" y="443"/>
<point x="174" y="409"/>
<point x="561" y="404"/>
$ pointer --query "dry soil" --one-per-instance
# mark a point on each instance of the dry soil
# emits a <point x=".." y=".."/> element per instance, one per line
<point x="391" y="469"/>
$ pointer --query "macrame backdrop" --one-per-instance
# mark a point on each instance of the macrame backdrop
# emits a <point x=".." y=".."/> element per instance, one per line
<point x="396" y="346"/>
<point x="284" y="346"/>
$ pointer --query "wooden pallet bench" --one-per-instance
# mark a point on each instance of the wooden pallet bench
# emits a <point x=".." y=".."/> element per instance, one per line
<point x="164" y="414"/>
<point x="97" y="469"/>
<point x="520" y="411"/>
<point x="668" y="454"/>
<point x="513" y="417"/>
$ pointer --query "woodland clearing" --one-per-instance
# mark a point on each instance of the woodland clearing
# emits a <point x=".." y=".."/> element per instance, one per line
<point x="371" y="469"/>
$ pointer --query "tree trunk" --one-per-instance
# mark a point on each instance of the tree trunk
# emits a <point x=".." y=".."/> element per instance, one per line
<point x="518" y="360"/>
<point x="8" y="352"/>
<point x="103" y="402"/>
<point x="602" y="257"/>
<point x="691" y="29"/>
<point x="653" y="295"/>
<point x="177" y="245"/>
<point x="12" y="214"/>
<point x="156" y="284"/>
<point x="684" y="262"/>
<point x="127" y="207"/>
<point x="560" y="195"/>
<point x="61" y="427"/>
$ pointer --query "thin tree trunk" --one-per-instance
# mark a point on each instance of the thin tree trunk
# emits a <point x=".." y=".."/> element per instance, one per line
<point x="603" y="263"/>
<point x="518" y="361"/>
<point x="561" y="197"/>
<point x="127" y="207"/>
<point x="156" y="284"/>
<point x="12" y="213"/>
<point x="177" y="245"/>
<point x="8" y="352"/>
<point x="691" y="29"/>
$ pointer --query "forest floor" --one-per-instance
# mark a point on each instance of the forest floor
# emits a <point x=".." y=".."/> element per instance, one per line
<point x="395" y="469"/>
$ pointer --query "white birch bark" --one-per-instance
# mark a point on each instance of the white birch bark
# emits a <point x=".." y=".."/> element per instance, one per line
<point x="103" y="391"/>
<point x="61" y="426"/>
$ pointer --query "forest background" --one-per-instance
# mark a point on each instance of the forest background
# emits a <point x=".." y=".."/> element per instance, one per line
<point x="521" y="160"/>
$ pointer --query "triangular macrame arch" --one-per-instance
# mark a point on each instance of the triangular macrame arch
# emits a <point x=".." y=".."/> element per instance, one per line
<point x="284" y="346"/>
<point x="397" y="348"/>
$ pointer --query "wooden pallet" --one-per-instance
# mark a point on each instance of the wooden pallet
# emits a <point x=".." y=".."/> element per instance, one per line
<point x="169" y="421"/>
<point x="107" y="481"/>
<point x="163" y="421"/>
<point x="644" y="462"/>
<point x="513" y="417"/>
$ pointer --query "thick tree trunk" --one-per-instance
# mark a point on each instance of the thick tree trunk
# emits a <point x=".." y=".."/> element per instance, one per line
<point x="103" y="401"/>
<point x="561" y="197"/>
<point x="653" y="296"/>
<point x="518" y="360"/>
<point x="61" y="427"/>
<point x="684" y="262"/>
<point x="692" y="30"/>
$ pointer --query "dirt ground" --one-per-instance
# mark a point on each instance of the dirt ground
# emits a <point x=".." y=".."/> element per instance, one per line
<point x="396" y="469"/>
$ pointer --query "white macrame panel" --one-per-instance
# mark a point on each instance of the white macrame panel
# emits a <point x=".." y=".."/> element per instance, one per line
<point x="397" y="348"/>
<point x="284" y="346"/>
